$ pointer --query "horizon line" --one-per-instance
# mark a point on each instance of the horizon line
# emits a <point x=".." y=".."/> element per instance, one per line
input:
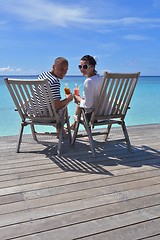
<point x="70" y="75"/>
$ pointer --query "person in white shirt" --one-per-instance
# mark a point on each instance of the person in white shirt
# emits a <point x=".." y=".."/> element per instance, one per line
<point x="92" y="86"/>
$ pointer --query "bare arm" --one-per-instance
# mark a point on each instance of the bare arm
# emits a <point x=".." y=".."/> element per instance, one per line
<point x="61" y="103"/>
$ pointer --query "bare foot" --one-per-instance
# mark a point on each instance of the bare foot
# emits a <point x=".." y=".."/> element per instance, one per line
<point x="72" y="127"/>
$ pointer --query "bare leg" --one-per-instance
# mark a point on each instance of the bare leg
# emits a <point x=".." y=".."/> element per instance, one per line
<point x="77" y="112"/>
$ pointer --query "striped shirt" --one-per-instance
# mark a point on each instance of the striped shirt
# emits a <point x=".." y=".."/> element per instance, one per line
<point x="54" y="84"/>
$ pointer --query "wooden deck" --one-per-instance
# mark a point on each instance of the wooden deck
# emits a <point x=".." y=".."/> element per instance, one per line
<point x="113" y="196"/>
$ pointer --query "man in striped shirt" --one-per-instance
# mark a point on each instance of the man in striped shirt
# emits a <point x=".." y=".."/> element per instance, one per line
<point x="59" y="70"/>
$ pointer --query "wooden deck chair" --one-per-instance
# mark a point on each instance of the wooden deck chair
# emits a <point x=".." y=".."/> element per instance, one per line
<point x="35" y="105"/>
<point x="110" y="107"/>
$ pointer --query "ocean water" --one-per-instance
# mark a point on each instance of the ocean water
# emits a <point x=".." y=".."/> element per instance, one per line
<point x="145" y="104"/>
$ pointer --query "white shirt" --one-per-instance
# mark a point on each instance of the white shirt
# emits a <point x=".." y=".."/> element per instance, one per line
<point x="91" y="91"/>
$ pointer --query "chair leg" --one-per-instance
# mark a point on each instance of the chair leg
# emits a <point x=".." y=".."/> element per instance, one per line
<point x="75" y="133"/>
<point x="60" y="140"/>
<point x="126" y="135"/>
<point x="61" y="129"/>
<point x="89" y="132"/>
<point x="20" y="137"/>
<point x="33" y="132"/>
<point x="68" y="127"/>
<point x="108" y="131"/>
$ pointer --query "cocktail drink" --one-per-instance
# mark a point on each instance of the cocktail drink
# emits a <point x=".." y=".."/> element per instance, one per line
<point x="76" y="90"/>
<point x="67" y="89"/>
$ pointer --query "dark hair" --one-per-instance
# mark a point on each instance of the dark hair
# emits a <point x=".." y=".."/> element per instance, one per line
<point x="91" y="60"/>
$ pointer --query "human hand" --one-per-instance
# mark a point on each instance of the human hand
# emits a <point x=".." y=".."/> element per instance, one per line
<point x="69" y="96"/>
<point x="77" y="99"/>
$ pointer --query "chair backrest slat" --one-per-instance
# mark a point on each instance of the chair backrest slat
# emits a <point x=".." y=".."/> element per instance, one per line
<point x="22" y="97"/>
<point x="38" y="99"/>
<point x="115" y="95"/>
<point x="47" y="101"/>
<point x="18" y="95"/>
<point x="32" y="98"/>
<point x="32" y="101"/>
<point x="119" y="86"/>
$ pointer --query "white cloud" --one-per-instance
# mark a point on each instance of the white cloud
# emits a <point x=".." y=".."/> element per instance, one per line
<point x="9" y="69"/>
<point x="135" y="37"/>
<point x="4" y="69"/>
<point x="49" y="13"/>
<point x="3" y="23"/>
<point x="45" y="11"/>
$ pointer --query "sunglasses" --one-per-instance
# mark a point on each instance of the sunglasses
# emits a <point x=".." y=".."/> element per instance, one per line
<point x="84" y="66"/>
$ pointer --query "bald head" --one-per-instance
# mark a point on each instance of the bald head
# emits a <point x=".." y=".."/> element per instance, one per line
<point x="60" y="60"/>
<point x="60" y="67"/>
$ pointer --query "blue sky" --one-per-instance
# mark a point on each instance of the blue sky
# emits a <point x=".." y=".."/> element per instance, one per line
<point x="124" y="35"/>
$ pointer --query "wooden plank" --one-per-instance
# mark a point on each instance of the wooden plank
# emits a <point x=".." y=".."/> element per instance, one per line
<point x="123" y="175"/>
<point x="43" y="196"/>
<point x="60" y="205"/>
<point x="94" y="183"/>
<point x="125" y="220"/>
<point x="74" y="217"/>
<point x="145" y="230"/>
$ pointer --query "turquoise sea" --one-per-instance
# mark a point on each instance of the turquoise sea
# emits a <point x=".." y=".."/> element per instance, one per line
<point x="145" y="104"/>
